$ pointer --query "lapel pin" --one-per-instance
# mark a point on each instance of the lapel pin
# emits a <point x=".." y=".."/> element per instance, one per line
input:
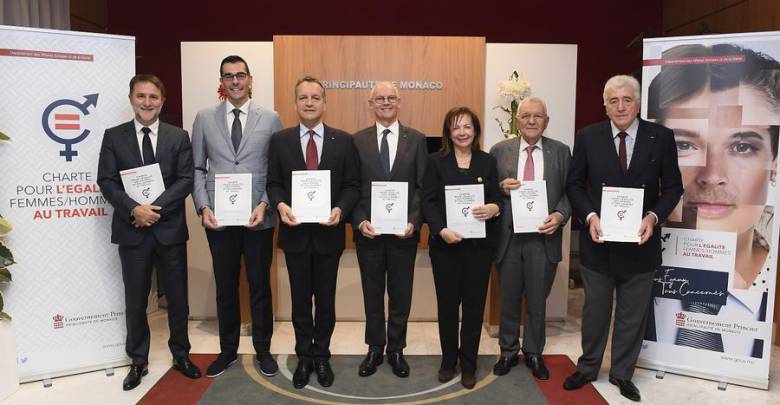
<point x="479" y="179"/>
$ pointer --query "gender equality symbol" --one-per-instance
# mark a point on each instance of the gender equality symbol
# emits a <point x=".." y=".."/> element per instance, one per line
<point x="68" y="152"/>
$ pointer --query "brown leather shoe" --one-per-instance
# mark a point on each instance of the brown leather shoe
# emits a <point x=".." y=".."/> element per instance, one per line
<point x="468" y="380"/>
<point x="446" y="374"/>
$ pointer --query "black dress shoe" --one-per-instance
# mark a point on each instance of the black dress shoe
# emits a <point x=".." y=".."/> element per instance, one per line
<point x="400" y="366"/>
<point x="627" y="388"/>
<point x="504" y="364"/>
<point x="134" y="376"/>
<point x="576" y="381"/>
<point x="370" y="363"/>
<point x="185" y="366"/>
<point x="324" y="372"/>
<point x="220" y="364"/>
<point x="302" y="373"/>
<point x="536" y="364"/>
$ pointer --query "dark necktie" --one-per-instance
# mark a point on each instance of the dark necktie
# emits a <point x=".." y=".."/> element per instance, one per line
<point x="235" y="131"/>
<point x="148" y="151"/>
<point x="384" y="152"/>
<point x="528" y="171"/>
<point x="698" y="339"/>
<point x="622" y="152"/>
<point x="311" y="153"/>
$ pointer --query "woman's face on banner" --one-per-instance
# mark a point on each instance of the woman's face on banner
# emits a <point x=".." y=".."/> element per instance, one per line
<point x="725" y="155"/>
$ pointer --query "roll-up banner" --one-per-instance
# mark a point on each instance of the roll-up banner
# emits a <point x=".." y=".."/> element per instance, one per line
<point x="61" y="90"/>
<point x="711" y="315"/>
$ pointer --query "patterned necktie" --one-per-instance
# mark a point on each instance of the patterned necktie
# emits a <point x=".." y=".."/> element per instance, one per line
<point x="148" y="151"/>
<point x="696" y="338"/>
<point x="622" y="152"/>
<point x="528" y="171"/>
<point x="235" y="131"/>
<point x="311" y="153"/>
<point x="384" y="152"/>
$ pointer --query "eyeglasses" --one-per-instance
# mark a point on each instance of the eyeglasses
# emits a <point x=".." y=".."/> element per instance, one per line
<point x="383" y="99"/>
<point x="241" y="76"/>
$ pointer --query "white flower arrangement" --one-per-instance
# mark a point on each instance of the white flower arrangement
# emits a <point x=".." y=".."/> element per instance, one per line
<point x="513" y="90"/>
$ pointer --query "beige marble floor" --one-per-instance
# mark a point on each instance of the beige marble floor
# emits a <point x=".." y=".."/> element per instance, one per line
<point x="563" y="337"/>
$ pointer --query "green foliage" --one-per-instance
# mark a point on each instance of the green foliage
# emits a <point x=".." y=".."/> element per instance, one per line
<point x="4" y="137"/>
<point x="5" y="226"/>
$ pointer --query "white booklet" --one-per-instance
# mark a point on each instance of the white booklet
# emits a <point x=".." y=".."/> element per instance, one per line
<point x="459" y="201"/>
<point x="144" y="183"/>
<point x="621" y="213"/>
<point x="233" y="198"/>
<point x="311" y="195"/>
<point x="529" y="206"/>
<point x="389" y="206"/>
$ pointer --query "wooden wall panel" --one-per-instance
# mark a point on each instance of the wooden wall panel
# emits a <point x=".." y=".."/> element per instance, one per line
<point x="695" y="17"/>
<point x="457" y="62"/>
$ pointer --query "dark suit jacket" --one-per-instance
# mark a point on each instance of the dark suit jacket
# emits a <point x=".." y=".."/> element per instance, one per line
<point x="556" y="165"/>
<point x="120" y="151"/>
<point x="653" y="167"/>
<point x="338" y="156"/>
<point x="443" y="171"/>
<point x="411" y="157"/>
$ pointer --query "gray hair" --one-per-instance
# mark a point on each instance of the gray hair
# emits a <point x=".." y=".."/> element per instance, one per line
<point x="619" y="81"/>
<point x="383" y="84"/>
<point x="533" y="100"/>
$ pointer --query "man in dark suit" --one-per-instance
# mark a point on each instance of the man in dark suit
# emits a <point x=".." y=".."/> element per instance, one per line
<point x="145" y="231"/>
<point x="233" y="137"/>
<point x="624" y="151"/>
<point x="388" y="151"/>
<point x="312" y="251"/>
<point x="527" y="262"/>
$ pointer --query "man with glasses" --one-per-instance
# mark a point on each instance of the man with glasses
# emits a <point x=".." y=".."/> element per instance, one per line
<point x="388" y="151"/>
<point x="233" y="137"/>
<point x="527" y="262"/>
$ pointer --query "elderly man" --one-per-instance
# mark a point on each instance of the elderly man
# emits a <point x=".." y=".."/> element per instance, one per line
<point x="623" y="151"/>
<point x="527" y="262"/>
<point x="388" y="151"/>
<point x="312" y="250"/>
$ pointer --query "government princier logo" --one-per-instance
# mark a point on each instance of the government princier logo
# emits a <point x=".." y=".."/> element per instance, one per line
<point x="58" y="321"/>
<point x="64" y="126"/>
<point x="679" y="319"/>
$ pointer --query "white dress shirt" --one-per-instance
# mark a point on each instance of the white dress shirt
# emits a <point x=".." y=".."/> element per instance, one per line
<point x="319" y="130"/>
<point x="538" y="156"/>
<point x="392" y="139"/>
<point x="241" y="117"/>
<point x="152" y="135"/>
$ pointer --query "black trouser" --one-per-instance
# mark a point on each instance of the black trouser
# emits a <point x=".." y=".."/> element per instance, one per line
<point x="137" y="277"/>
<point x="461" y="275"/>
<point x="382" y="261"/>
<point x="313" y="275"/>
<point x="227" y="246"/>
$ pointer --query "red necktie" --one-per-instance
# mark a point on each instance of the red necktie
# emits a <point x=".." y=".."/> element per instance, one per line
<point x="311" y="153"/>
<point x="528" y="171"/>
<point x="622" y="152"/>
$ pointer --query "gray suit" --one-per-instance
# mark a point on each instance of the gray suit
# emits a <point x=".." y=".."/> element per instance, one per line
<point x="213" y="153"/>
<point x="526" y="262"/>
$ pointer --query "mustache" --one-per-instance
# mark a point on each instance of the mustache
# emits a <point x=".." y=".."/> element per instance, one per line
<point x="716" y="195"/>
